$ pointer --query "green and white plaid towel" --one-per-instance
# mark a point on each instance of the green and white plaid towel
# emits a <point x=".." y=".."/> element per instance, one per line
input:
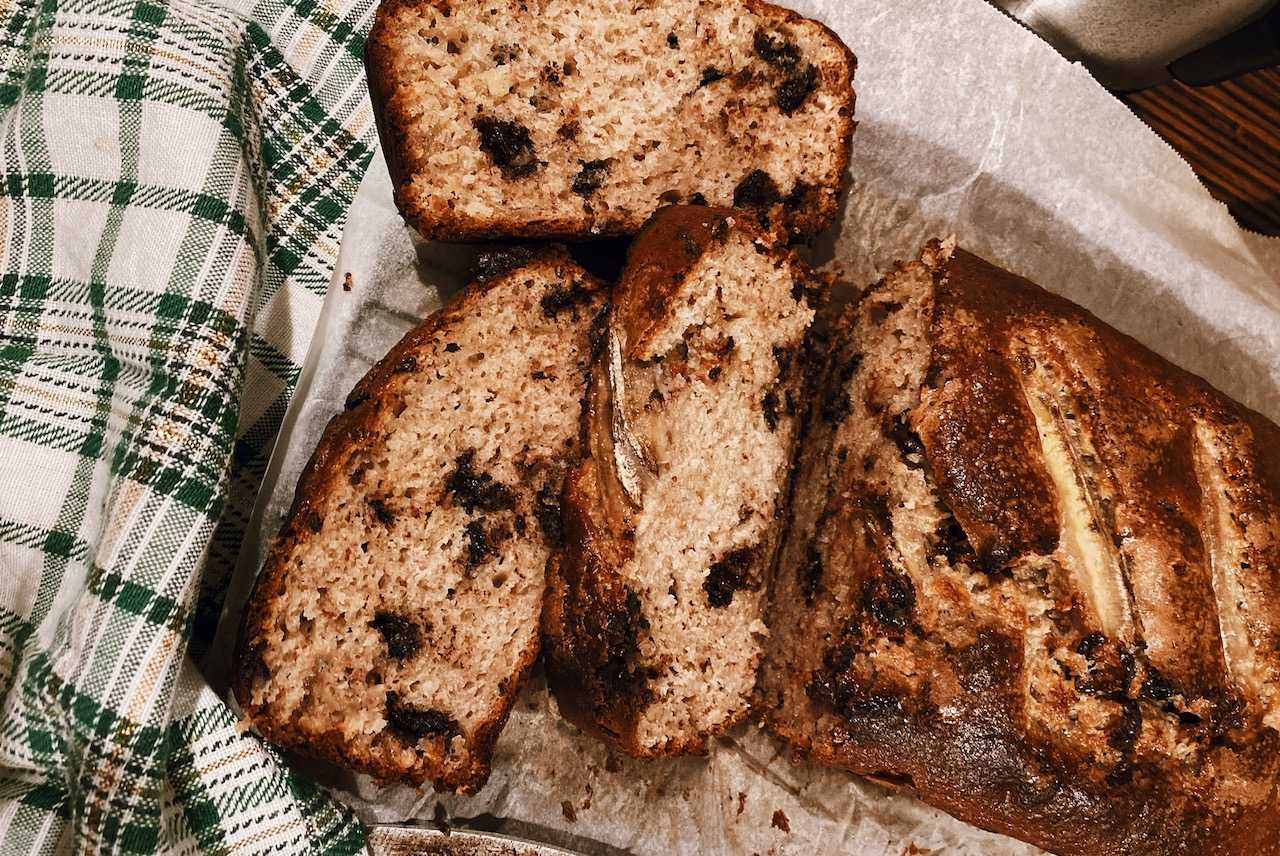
<point x="173" y="181"/>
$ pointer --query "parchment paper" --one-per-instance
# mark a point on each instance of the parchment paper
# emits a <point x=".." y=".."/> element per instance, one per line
<point x="968" y="125"/>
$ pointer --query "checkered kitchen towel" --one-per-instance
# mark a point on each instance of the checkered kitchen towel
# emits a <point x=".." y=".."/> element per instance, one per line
<point x="174" y="176"/>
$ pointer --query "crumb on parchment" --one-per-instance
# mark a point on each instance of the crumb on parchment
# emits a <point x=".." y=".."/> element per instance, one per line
<point x="780" y="821"/>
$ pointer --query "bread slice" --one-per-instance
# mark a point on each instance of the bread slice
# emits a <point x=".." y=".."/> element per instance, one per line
<point x="1031" y="574"/>
<point x="573" y="118"/>
<point x="397" y="616"/>
<point x="653" y="617"/>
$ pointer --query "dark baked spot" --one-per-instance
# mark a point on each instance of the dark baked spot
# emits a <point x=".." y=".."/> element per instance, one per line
<point x="836" y="685"/>
<point x="479" y="548"/>
<point x="415" y="722"/>
<point x="592" y="175"/>
<point x="714" y="374"/>
<point x="890" y="597"/>
<point x="989" y="664"/>
<point x="1111" y="667"/>
<point x="619" y="636"/>
<point x="775" y="49"/>
<point x="796" y="89"/>
<point x="355" y="398"/>
<point x="688" y="242"/>
<point x="494" y="263"/>
<point x="784" y="358"/>
<point x="547" y="510"/>
<point x="799" y="194"/>
<point x="951" y="542"/>
<point x="710" y="75"/>
<point x="401" y="635"/>
<point x="314" y="521"/>
<point x="1127" y="729"/>
<point x="561" y="297"/>
<point x="508" y="144"/>
<point x="474" y="490"/>
<point x="907" y="441"/>
<point x="757" y="190"/>
<point x="769" y="407"/>
<point x="569" y="130"/>
<point x="836" y="407"/>
<point x="384" y="514"/>
<point x="811" y="574"/>
<point x="406" y="365"/>
<point x="728" y="575"/>
<point x="673" y="41"/>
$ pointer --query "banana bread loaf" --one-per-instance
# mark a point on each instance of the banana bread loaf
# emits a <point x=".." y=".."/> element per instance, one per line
<point x="1031" y="574"/>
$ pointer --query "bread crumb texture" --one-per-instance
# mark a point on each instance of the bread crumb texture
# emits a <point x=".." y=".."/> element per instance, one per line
<point x="398" y="614"/>
<point x="575" y="117"/>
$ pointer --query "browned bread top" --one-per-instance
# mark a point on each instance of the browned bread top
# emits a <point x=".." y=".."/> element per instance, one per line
<point x="397" y="615"/>
<point x="573" y="118"/>
<point x="653" y="614"/>
<point x="1031" y="574"/>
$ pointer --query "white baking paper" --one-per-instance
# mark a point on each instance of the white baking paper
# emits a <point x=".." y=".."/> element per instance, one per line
<point x="967" y="125"/>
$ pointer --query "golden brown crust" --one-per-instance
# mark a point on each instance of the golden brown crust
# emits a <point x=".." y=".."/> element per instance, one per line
<point x="1181" y="756"/>
<point x="819" y="211"/>
<point x="342" y="437"/>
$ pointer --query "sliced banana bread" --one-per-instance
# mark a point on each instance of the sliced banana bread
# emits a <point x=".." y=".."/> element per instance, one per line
<point x="573" y="118"/>
<point x="397" y="616"/>
<point x="653" y="620"/>
<point x="1030" y="574"/>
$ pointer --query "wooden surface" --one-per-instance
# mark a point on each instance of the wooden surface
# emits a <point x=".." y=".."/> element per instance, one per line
<point x="1230" y="134"/>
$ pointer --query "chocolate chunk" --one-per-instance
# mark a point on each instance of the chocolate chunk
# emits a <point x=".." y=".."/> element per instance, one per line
<point x="951" y="542"/>
<point x="569" y="130"/>
<point x="592" y="175"/>
<point x="474" y="490"/>
<point x="494" y="263"/>
<point x="380" y="510"/>
<point x="697" y="199"/>
<point x="799" y="194"/>
<point x="714" y="374"/>
<point x="728" y="575"/>
<point x="401" y="635"/>
<point x="907" y="441"/>
<point x="811" y="574"/>
<point x="673" y="41"/>
<point x="890" y="597"/>
<point x="710" y="75"/>
<point x="836" y="407"/>
<point x="769" y="407"/>
<point x="407" y="365"/>
<point x="415" y="722"/>
<point x="776" y="50"/>
<point x="547" y="510"/>
<point x="796" y="89"/>
<point x="479" y="548"/>
<point x="508" y="144"/>
<point x="757" y="190"/>
<point x="1090" y="644"/>
<point x="1124" y="735"/>
<point x="783" y="357"/>
<point x="561" y="297"/>
<point x="1156" y="687"/>
<point x="452" y="348"/>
